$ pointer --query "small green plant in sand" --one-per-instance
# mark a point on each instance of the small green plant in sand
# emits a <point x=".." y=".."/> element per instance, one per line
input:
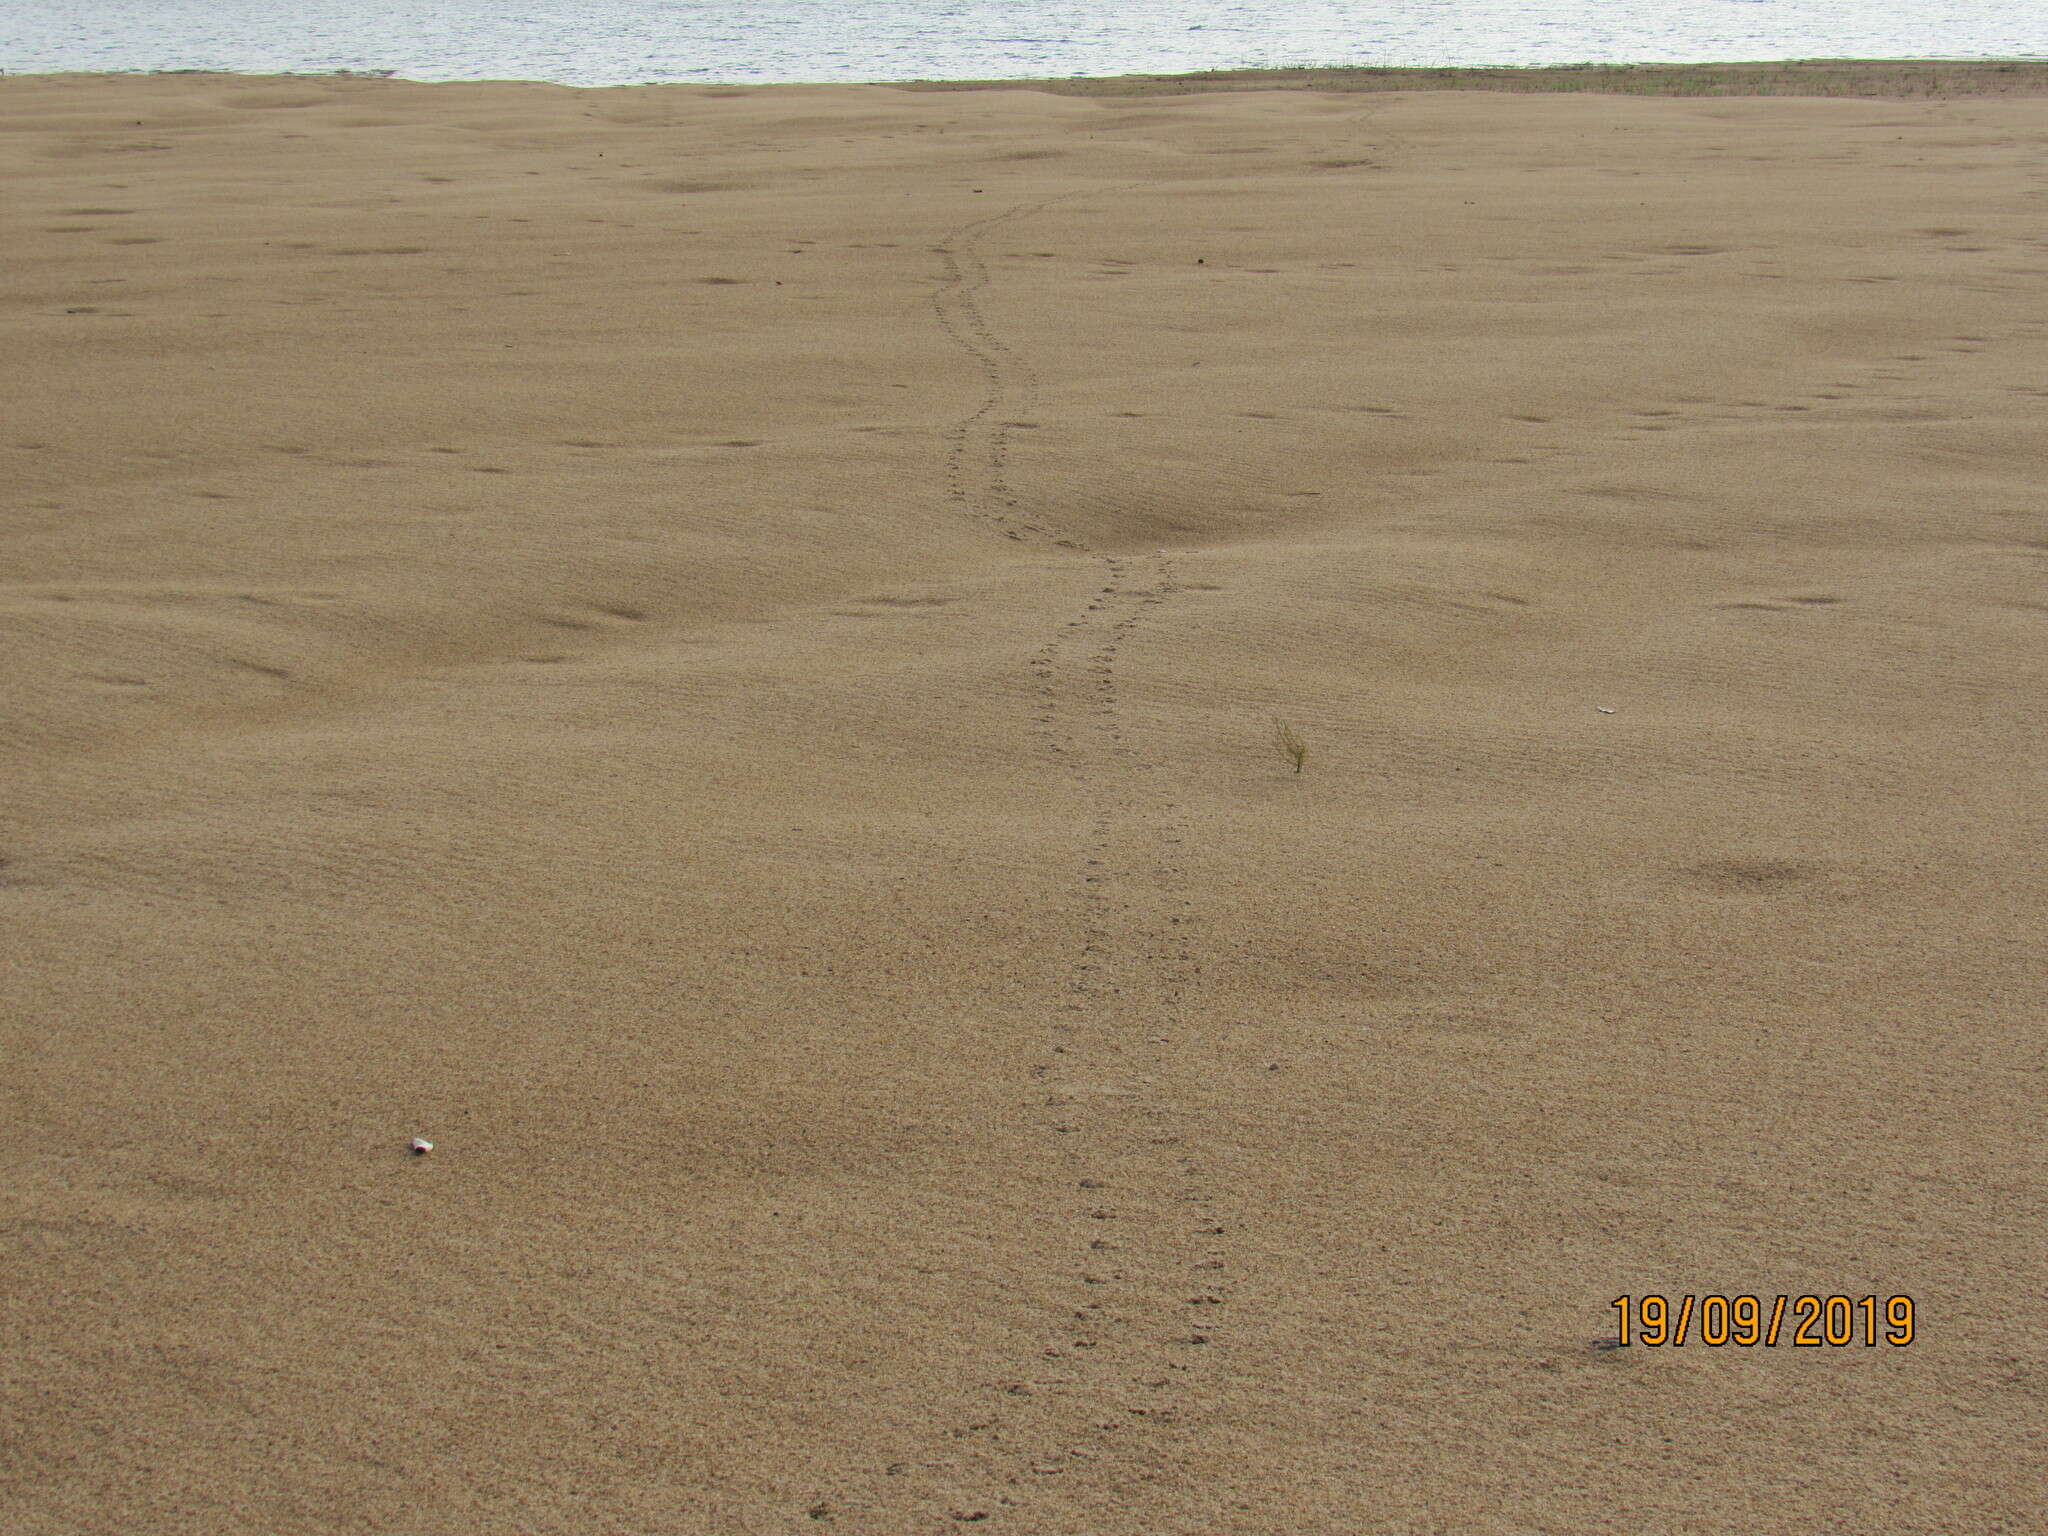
<point x="1287" y="741"/>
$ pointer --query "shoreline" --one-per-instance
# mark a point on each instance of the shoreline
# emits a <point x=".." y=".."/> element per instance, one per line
<point x="1910" y="79"/>
<point x="1880" y="79"/>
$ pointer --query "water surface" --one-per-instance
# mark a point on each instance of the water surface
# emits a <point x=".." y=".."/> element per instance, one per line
<point x="617" y="42"/>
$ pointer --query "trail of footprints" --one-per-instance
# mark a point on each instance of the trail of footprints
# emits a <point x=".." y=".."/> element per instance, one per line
<point x="1138" y="1238"/>
<point x="1142" y="1235"/>
<point x="977" y="446"/>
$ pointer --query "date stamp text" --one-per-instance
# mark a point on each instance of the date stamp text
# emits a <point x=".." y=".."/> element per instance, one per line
<point x="1802" y="1322"/>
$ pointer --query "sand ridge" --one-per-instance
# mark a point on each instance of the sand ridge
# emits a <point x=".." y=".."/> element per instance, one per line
<point x="714" y="652"/>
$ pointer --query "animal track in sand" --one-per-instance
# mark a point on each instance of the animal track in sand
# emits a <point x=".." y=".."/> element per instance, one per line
<point x="977" y="446"/>
<point x="1142" y="1230"/>
<point x="1149" y="1264"/>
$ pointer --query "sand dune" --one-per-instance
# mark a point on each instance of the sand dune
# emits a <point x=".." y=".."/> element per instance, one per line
<point x="714" y="651"/>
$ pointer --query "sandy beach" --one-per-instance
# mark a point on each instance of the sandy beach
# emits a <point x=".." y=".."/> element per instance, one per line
<point x="717" y="654"/>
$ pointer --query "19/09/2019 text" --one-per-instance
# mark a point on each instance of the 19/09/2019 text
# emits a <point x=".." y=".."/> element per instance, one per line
<point x="1806" y="1322"/>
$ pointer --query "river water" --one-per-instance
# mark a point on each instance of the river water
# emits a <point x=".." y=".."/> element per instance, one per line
<point x="613" y="42"/>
